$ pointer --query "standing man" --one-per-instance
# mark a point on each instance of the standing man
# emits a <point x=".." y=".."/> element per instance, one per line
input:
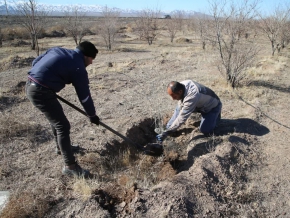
<point x="49" y="74"/>
<point x="192" y="97"/>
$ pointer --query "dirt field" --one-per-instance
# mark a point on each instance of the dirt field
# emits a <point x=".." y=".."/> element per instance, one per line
<point x="241" y="171"/>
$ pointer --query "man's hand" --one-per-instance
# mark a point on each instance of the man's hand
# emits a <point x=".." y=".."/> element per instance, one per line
<point x="95" y="119"/>
<point x="161" y="136"/>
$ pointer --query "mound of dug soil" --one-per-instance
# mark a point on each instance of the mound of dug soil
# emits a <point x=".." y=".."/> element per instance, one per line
<point x="193" y="176"/>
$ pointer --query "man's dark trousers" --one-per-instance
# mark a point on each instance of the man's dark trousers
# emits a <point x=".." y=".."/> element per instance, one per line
<point x="45" y="100"/>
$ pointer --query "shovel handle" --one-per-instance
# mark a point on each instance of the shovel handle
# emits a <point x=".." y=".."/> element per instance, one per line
<point x="101" y="123"/>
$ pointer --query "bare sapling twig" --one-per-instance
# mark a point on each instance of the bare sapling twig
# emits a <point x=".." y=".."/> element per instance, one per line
<point x="74" y="23"/>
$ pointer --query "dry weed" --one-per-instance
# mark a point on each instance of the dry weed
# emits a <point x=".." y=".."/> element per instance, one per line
<point x="125" y="168"/>
<point x="129" y="28"/>
<point x="12" y="62"/>
<point x="26" y="204"/>
<point x="82" y="188"/>
<point x="123" y="180"/>
<point x="2" y="91"/>
<point x="14" y="33"/>
<point x="15" y="126"/>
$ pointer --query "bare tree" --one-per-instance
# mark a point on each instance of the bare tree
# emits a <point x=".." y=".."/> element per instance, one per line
<point x="6" y="7"/>
<point x="109" y="27"/>
<point x="227" y="28"/>
<point x="179" y="17"/>
<point x="172" y="27"/>
<point x="202" y="27"/>
<point x="74" y="23"/>
<point x="190" y="22"/>
<point x="1" y="37"/>
<point x="285" y="35"/>
<point x="33" y="18"/>
<point x="147" y="25"/>
<point x="174" y="24"/>
<point x="274" y="25"/>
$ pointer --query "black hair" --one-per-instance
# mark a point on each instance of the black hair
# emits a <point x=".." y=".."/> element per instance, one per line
<point x="88" y="49"/>
<point x="176" y="87"/>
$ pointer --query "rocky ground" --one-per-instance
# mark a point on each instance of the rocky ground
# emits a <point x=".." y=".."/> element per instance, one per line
<point x="240" y="171"/>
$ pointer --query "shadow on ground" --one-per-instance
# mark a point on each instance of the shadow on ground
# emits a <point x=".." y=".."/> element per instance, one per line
<point x="225" y="127"/>
<point x="270" y="86"/>
<point x="241" y="125"/>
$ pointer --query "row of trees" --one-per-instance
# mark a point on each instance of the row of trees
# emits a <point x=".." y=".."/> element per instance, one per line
<point x="227" y="27"/>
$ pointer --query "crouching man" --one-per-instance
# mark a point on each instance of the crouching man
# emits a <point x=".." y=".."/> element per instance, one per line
<point x="192" y="97"/>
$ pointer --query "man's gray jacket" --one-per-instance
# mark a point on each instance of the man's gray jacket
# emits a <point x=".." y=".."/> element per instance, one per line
<point x="196" y="98"/>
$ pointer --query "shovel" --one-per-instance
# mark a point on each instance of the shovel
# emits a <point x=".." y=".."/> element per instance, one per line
<point x="153" y="149"/>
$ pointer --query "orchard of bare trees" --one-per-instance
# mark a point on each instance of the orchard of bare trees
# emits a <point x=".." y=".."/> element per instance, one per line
<point x="230" y="28"/>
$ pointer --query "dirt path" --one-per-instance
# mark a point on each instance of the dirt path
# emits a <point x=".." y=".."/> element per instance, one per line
<point x="272" y="179"/>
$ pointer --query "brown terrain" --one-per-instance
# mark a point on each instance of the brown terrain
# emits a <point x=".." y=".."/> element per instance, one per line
<point x="242" y="170"/>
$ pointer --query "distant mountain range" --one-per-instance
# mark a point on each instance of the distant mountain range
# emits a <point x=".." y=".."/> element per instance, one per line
<point x="89" y="10"/>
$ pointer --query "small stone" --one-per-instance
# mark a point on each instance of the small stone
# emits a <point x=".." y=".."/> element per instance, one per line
<point x="123" y="204"/>
<point x="135" y="200"/>
<point x="255" y="205"/>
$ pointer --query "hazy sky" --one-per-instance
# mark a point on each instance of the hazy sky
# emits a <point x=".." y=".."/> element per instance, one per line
<point x="163" y="5"/>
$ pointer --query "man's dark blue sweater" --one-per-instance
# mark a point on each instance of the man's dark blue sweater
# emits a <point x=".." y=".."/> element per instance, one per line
<point x="57" y="67"/>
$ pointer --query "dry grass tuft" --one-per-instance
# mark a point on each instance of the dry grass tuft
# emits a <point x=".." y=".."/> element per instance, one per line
<point x="12" y="62"/>
<point x="123" y="180"/>
<point x="14" y="126"/>
<point x="166" y="172"/>
<point x="129" y="29"/>
<point x="82" y="188"/>
<point x="14" y="33"/>
<point x="126" y="158"/>
<point x="25" y="205"/>
<point x="125" y="168"/>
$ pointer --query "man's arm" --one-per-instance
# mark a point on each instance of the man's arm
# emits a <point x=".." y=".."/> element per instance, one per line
<point x="178" y="118"/>
<point x="81" y="84"/>
<point x="189" y="106"/>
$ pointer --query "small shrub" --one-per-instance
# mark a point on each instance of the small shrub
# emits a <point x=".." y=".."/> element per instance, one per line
<point x="24" y="205"/>
<point x="82" y="188"/>
<point x="15" y="33"/>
